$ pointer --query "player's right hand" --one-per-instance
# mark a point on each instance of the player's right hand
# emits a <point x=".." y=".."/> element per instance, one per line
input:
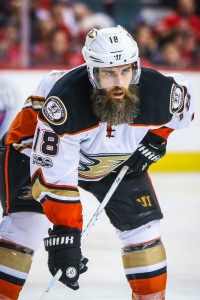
<point x="63" y="245"/>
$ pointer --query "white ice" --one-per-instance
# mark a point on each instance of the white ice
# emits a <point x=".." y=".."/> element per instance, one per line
<point x="179" y="197"/>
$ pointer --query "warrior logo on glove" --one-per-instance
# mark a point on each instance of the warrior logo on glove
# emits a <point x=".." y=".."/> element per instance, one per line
<point x="71" y="272"/>
<point x="63" y="245"/>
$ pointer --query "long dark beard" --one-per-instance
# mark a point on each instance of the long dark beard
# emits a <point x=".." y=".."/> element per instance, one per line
<point x="114" y="111"/>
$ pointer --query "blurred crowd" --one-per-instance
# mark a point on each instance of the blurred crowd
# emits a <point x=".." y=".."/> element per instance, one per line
<point x="168" y="35"/>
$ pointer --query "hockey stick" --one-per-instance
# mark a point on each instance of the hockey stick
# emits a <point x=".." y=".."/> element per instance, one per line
<point x="90" y="225"/>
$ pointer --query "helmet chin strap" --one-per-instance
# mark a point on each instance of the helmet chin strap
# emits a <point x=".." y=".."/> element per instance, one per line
<point x="92" y="81"/>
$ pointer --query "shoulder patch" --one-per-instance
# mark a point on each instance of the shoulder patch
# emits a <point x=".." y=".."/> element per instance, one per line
<point x="54" y="111"/>
<point x="177" y="97"/>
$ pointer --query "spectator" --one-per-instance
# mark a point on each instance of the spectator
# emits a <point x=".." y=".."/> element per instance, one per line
<point x="86" y="19"/>
<point x="14" y="12"/>
<point x="57" y="51"/>
<point x="152" y="11"/>
<point x="170" y="57"/>
<point x="121" y="12"/>
<point x="184" y="19"/>
<point x="44" y="27"/>
<point x="109" y="7"/>
<point x="187" y="45"/>
<point x="61" y="11"/>
<point x="10" y="48"/>
<point x="147" y="43"/>
<point x="191" y="51"/>
<point x="3" y="14"/>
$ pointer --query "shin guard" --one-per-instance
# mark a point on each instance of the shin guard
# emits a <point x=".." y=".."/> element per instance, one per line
<point x="15" y="263"/>
<point x="145" y="269"/>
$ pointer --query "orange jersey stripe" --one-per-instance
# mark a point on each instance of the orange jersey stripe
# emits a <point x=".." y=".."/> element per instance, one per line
<point x="163" y="132"/>
<point x="23" y="126"/>
<point x="9" y="290"/>
<point x="146" y="125"/>
<point x="149" y="286"/>
<point x="66" y="214"/>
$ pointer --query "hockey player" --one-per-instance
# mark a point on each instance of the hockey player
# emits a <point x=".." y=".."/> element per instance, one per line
<point x="91" y="121"/>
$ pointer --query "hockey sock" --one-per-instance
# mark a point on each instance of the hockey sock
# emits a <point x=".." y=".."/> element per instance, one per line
<point x="145" y="269"/>
<point x="15" y="263"/>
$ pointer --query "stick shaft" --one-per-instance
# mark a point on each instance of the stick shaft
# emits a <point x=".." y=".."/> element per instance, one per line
<point x="90" y="225"/>
<point x="104" y="202"/>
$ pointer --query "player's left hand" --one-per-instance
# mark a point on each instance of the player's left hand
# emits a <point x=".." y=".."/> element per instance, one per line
<point x="63" y="245"/>
<point x="150" y="150"/>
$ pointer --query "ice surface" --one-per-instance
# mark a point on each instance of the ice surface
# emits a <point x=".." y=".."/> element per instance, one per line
<point x="179" y="197"/>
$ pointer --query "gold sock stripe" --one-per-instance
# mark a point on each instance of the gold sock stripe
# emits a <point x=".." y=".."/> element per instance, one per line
<point x="15" y="260"/>
<point x="178" y="162"/>
<point x="144" y="258"/>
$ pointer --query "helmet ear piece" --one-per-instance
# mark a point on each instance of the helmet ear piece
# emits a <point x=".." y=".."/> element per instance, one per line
<point x="91" y="75"/>
<point x="110" y="47"/>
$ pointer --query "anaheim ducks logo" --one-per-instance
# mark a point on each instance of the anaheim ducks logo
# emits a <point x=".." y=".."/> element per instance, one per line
<point x="54" y="111"/>
<point x="92" y="34"/>
<point x="177" y="99"/>
<point x="93" y="166"/>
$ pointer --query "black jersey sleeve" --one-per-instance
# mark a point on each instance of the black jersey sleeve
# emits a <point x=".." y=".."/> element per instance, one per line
<point x="154" y="92"/>
<point x="67" y="108"/>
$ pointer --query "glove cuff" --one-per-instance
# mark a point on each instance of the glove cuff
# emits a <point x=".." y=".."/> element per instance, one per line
<point x="155" y="142"/>
<point x="62" y="238"/>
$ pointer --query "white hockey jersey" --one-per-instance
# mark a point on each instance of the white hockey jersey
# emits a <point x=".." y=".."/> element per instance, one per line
<point x="71" y="144"/>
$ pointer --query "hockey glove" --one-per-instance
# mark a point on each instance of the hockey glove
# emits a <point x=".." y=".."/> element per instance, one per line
<point x="149" y="151"/>
<point x="63" y="245"/>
